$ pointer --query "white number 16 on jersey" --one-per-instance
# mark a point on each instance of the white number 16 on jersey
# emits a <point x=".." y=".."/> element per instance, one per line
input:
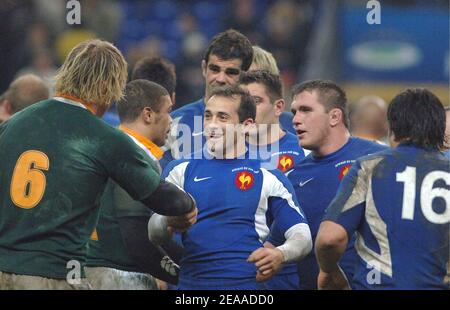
<point x="427" y="195"/>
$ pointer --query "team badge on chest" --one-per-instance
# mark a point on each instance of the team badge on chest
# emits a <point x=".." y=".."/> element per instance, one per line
<point x="244" y="180"/>
<point x="344" y="170"/>
<point x="285" y="163"/>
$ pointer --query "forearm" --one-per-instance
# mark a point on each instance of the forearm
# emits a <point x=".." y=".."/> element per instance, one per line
<point x="169" y="200"/>
<point x="298" y="243"/>
<point x="328" y="257"/>
<point x="145" y="254"/>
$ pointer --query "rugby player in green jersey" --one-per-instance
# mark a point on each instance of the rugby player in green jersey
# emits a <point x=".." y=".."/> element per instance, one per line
<point x="120" y="255"/>
<point x="56" y="157"/>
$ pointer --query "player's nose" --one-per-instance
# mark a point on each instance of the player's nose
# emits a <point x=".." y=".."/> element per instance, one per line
<point x="221" y="77"/>
<point x="296" y="119"/>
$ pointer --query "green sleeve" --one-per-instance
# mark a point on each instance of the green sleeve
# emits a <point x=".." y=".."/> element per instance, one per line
<point x="130" y="167"/>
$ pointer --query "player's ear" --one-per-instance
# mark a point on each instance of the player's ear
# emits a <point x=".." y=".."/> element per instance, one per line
<point x="336" y="117"/>
<point x="148" y="115"/>
<point x="248" y="125"/>
<point x="173" y="97"/>
<point x="7" y="107"/>
<point x="279" y="107"/>
<point x="204" y="68"/>
<point x="5" y="112"/>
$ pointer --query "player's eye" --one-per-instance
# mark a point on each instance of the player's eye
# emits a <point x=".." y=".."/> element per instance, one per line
<point x="214" y="68"/>
<point x="232" y="71"/>
<point x="223" y="117"/>
<point x="305" y="109"/>
<point x="258" y="100"/>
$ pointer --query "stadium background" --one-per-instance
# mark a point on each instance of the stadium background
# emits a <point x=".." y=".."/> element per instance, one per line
<point x="309" y="39"/>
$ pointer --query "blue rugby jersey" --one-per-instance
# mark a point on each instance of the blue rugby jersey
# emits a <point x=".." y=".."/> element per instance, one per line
<point x="315" y="181"/>
<point x="283" y="155"/>
<point x="237" y="201"/>
<point x="398" y="203"/>
<point x="187" y="125"/>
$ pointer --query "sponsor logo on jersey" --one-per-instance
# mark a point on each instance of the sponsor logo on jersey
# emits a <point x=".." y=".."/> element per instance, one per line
<point x="244" y="180"/>
<point x="169" y="266"/>
<point x="301" y="184"/>
<point x="197" y="179"/>
<point x="285" y="163"/>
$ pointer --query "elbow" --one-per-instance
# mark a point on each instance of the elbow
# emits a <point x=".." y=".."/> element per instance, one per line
<point x="330" y="238"/>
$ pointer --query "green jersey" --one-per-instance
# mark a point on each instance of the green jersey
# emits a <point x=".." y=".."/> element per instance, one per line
<point x="107" y="248"/>
<point x="56" y="158"/>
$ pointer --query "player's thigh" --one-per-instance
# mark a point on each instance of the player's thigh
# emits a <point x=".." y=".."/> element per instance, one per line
<point x="103" y="278"/>
<point x="10" y="281"/>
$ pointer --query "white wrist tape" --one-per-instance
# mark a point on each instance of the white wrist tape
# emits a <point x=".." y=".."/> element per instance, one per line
<point x="298" y="243"/>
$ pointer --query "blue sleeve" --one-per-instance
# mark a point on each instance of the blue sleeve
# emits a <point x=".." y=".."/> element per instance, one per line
<point x="348" y="206"/>
<point x="283" y="206"/>
<point x="166" y="159"/>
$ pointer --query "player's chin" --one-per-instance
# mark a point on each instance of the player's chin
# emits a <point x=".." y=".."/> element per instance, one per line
<point x="304" y="140"/>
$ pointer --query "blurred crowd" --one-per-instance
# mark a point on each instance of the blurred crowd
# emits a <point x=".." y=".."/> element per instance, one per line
<point x="35" y="37"/>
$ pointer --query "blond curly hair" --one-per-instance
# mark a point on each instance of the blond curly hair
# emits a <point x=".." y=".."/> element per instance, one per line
<point x="95" y="71"/>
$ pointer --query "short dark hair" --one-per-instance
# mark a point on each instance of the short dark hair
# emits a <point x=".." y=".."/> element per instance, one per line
<point x="247" y="106"/>
<point x="158" y="70"/>
<point x="417" y="116"/>
<point x="330" y="95"/>
<point x="272" y="82"/>
<point x="140" y="94"/>
<point x="26" y="90"/>
<point x="231" y="44"/>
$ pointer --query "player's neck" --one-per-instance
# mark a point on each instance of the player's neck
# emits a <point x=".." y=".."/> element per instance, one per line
<point x="334" y="142"/>
<point x="95" y="109"/>
<point x="267" y="134"/>
<point x="143" y="135"/>
<point x="138" y="128"/>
